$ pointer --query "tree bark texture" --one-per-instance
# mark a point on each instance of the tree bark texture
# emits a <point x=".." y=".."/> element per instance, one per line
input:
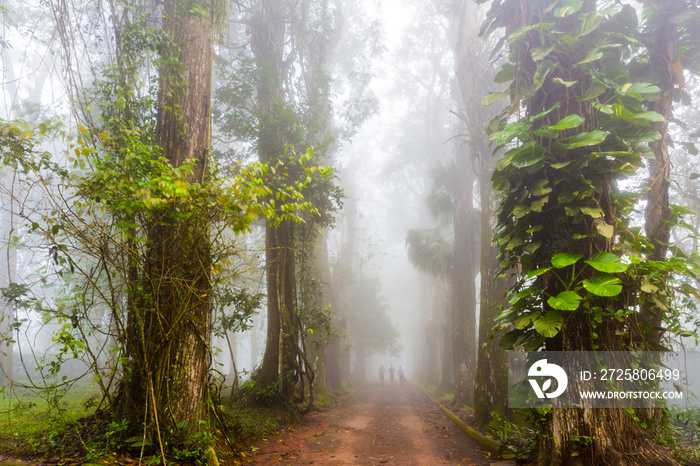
<point x="267" y="28"/>
<point x="463" y="287"/>
<point x="165" y="383"/>
<point x="658" y="210"/>
<point x="491" y="390"/>
<point x="582" y="436"/>
<point x="471" y="70"/>
<point x="465" y="242"/>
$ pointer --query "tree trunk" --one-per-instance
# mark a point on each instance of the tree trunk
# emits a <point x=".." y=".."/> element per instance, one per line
<point x="8" y="271"/>
<point x="338" y="364"/>
<point x="333" y="373"/>
<point x="267" y="43"/>
<point x="465" y="245"/>
<point x="491" y="388"/>
<point x="284" y="292"/>
<point x="447" y="368"/>
<point x="165" y="383"/>
<point x="658" y="210"/>
<point x="321" y="272"/>
<point x="232" y="343"/>
<point x="463" y="288"/>
<point x="432" y="361"/>
<point x="595" y="436"/>
<point x="254" y="345"/>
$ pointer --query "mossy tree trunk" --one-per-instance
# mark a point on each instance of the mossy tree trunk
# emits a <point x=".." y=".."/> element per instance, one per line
<point x="463" y="304"/>
<point x="491" y="391"/>
<point x="472" y="71"/>
<point x="658" y="210"/>
<point x="268" y="27"/>
<point x="571" y="208"/>
<point x="166" y="380"/>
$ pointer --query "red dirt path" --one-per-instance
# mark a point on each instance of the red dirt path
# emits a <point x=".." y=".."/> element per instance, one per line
<point x="387" y="424"/>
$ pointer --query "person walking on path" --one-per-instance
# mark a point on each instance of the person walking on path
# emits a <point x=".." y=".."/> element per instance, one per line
<point x="391" y="373"/>
<point x="402" y="377"/>
<point x="381" y="375"/>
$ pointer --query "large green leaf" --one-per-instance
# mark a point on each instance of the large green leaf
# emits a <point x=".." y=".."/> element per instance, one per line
<point x="543" y="69"/>
<point x="568" y="8"/>
<point x="606" y="262"/>
<point x="545" y="132"/>
<point x="564" y="259"/>
<point x="604" y="229"/>
<point x="585" y="139"/>
<point x="525" y="29"/>
<point x="493" y="97"/>
<point x="540" y="188"/>
<point x="569" y="121"/>
<point x="523" y="321"/>
<point x="596" y="89"/>
<point x="603" y="285"/>
<point x="650" y="116"/>
<point x="641" y="134"/>
<point x="514" y="243"/>
<point x="565" y="83"/>
<point x="638" y="88"/>
<point x="538" y="272"/>
<point x="540" y="53"/>
<point x="526" y="293"/>
<point x="538" y="204"/>
<point x="565" y="301"/>
<point x="549" y="324"/>
<point x="528" y="155"/>
<point x="589" y="22"/>
<point x="546" y="112"/>
<point x="512" y="339"/>
<point x="593" y="55"/>
<point x="509" y="132"/>
<point x="595" y="212"/>
<point x="506" y="74"/>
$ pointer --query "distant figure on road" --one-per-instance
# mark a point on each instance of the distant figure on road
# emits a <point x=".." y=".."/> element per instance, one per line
<point x="381" y="375"/>
<point x="391" y="373"/>
<point x="402" y="377"/>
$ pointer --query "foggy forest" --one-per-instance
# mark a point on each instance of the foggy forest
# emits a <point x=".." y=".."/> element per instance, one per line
<point x="349" y="232"/>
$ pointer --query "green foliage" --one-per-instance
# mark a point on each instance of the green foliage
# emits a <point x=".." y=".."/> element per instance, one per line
<point x="586" y="87"/>
<point x="682" y="433"/>
<point x="519" y="438"/>
<point x="119" y="187"/>
<point x="244" y="307"/>
<point x="268" y="395"/>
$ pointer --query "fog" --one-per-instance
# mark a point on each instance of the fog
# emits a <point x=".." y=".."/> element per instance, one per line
<point x="119" y="231"/>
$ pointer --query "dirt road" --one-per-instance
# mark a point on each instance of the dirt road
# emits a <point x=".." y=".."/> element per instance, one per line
<point x="387" y="424"/>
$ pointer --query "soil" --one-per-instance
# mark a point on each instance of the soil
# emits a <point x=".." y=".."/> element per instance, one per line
<point x="379" y="424"/>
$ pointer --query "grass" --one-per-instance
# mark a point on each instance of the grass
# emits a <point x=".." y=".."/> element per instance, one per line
<point x="35" y="425"/>
<point x="31" y="422"/>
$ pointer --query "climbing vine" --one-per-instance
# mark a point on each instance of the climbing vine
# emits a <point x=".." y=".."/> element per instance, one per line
<point x="578" y="124"/>
<point x="574" y="138"/>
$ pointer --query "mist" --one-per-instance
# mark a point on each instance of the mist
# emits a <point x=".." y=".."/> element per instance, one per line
<point x="262" y="204"/>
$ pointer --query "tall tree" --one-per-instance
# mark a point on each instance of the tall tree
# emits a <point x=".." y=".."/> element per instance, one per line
<point x="666" y="62"/>
<point x="466" y="236"/>
<point x="166" y="381"/>
<point x="475" y="79"/>
<point x="268" y="27"/>
<point x="585" y="124"/>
